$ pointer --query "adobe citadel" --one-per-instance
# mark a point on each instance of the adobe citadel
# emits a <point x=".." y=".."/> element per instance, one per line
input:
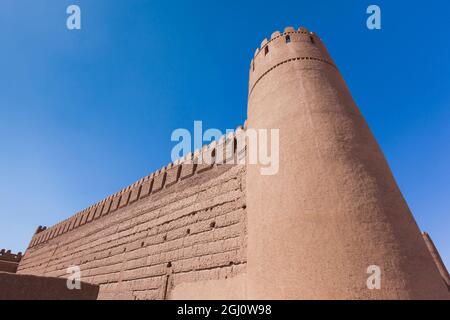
<point x="215" y="231"/>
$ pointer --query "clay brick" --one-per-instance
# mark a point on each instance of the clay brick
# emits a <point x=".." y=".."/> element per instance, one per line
<point x="78" y="221"/>
<point x="91" y="214"/>
<point x="203" y="166"/>
<point x="84" y="217"/>
<point x="66" y="228"/>
<point x="124" y="199"/>
<point x="179" y="278"/>
<point x="63" y="228"/>
<point x="115" y="204"/>
<point x="98" y="211"/>
<point x="229" y="151"/>
<point x="46" y="236"/>
<point x="52" y="231"/>
<point x="55" y="231"/>
<point x="187" y="170"/>
<point x="106" y="207"/>
<point x="60" y="229"/>
<point x="173" y="175"/>
<point x="146" y="188"/>
<point x="158" y="182"/>
<point x="39" y="238"/>
<point x="135" y="194"/>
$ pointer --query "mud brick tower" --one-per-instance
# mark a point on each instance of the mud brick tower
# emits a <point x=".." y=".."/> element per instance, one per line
<point x="334" y="208"/>
<point x="214" y="230"/>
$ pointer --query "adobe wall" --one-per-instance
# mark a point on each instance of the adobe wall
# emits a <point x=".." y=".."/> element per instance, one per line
<point x="28" y="287"/>
<point x="178" y="230"/>
<point x="9" y="261"/>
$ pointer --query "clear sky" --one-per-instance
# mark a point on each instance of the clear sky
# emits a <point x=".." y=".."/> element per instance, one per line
<point x="85" y="113"/>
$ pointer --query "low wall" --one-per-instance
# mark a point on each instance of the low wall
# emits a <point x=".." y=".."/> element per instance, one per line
<point x="27" y="287"/>
<point x="8" y="266"/>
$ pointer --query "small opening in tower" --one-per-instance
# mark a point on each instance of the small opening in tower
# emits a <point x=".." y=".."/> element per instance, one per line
<point x="253" y="65"/>
<point x="266" y="50"/>
<point x="288" y="39"/>
<point x="312" y="39"/>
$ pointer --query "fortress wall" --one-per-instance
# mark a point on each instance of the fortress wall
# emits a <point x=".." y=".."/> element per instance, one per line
<point x="8" y="266"/>
<point x="184" y="227"/>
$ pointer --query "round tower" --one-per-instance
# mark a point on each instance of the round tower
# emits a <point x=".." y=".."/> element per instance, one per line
<point x="333" y="210"/>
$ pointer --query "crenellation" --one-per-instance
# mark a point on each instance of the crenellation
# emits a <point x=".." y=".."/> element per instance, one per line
<point x="63" y="226"/>
<point x="275" y="34"/>
<point x="301" y="46"/>
<point x="159" y="180"/>
<point x="115" y="203"/>
<point x="72" y="223"/>
<point x="91" y="214"/>
<point x="106" y="207"/>
<point x="84" y="216"/>
<point x="289" y="30"/>
<point x="98" y="210"/>
<point x="124" y="199"/>
<point x="146" y="188"/>
<point x="135" y="193"/>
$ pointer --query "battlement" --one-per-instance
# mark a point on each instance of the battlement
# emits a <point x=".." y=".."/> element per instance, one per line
<point x="6" y="255"/>
<point x="289" y="46"/>
<point x="40" y="229"/>
<point x="227" y="150"/>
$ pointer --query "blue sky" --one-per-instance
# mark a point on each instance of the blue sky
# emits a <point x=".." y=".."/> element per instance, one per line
<point x="85" y="113"/>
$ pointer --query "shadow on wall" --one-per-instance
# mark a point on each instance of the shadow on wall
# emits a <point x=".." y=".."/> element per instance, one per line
<point x="28" y="287"/>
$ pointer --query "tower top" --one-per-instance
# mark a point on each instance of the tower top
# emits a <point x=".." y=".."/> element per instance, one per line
<point x="287" y="46"/>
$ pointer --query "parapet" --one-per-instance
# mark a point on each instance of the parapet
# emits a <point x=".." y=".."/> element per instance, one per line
<point x="230" y="149"/>
<point x="30" y="287"/>
<point x="9" y="262"/>
<point x="6" y="255"/>
<point x="290" y="45"/>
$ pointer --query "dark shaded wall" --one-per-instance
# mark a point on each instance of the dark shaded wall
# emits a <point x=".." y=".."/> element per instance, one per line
<point x="27" y="287"/>
<point x="9" y="261"/>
